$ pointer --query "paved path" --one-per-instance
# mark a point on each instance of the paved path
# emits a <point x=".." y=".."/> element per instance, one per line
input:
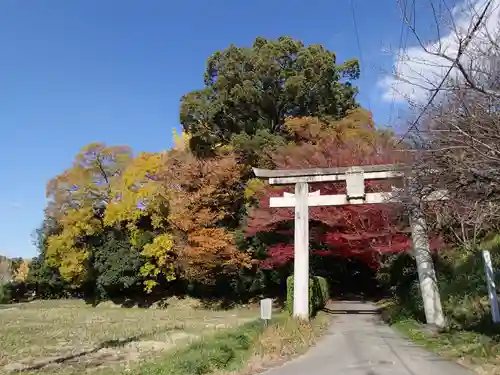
<point x="357" y="343"/>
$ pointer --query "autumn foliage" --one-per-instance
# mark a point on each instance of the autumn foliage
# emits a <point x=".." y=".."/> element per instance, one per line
<point x="186" y="204"/>
<point x="204" y="196"/>
<point x="354" y="230"/>
<point x="179" y="213"/>
<point x="193" y="216"/>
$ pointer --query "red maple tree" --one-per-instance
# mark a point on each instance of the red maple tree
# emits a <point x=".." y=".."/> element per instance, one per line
<point x="363" y="231"/>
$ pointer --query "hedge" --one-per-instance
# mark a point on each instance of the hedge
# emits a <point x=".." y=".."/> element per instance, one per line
<point x="318" y="294"/>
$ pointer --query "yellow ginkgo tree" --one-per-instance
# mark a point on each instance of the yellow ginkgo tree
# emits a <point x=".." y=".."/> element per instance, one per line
<point x="78" y="198"/>
<point x="141" y="194"/>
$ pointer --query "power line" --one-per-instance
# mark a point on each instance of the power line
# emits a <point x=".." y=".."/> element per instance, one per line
<point x="460" y="52"/>
<point x="400" y="48"/>
<point x="356" y="31"/>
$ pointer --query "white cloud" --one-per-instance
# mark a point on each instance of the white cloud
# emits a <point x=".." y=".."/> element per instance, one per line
<point x="418" y="71"/>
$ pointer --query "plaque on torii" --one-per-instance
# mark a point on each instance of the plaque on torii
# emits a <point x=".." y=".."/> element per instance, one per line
<point x="354" y="177"/>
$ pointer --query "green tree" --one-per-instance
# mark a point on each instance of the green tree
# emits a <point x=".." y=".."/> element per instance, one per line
<point x="116" y="264"/>
<point x="43" y="279"/>
<point x="252" y="90"/>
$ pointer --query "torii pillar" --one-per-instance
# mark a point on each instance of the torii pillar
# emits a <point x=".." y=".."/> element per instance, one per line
<point x="301" y="253"/>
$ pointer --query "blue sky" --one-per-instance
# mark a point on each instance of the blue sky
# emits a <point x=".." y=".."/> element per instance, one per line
<point x="78" y="71"/>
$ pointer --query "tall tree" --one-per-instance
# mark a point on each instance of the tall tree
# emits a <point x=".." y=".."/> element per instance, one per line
<point x="77" y="201"/>
<point x="205" y="196"/>
<point x="254" y="89"/>
<point x="141" y="205"/>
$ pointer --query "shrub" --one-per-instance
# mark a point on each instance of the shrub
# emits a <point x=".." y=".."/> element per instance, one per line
<point x="465" y="294"/>
<point x="18" y="291"/>
<point x="399" y="277"/>
<point x="461" y="283"/>
<point x="318" y="294"/>
<point x="45" y="281"/>
<point x="324" y="289"/>
<point x="5" y="292"/>
<point x="13" y="291"/>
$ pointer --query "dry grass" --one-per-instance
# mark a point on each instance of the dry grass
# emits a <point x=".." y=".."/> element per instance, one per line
<point x="291" y="337"/>
<point x="245" y="350"/>
<point x="283" y="341"/>
<point x="70" y="337"/>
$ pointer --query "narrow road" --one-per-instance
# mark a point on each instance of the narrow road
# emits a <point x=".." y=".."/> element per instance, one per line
<point x="358" y="343"/>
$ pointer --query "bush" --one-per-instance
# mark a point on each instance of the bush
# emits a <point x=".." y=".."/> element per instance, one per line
<point x="18" y="291"/>
<point x="324" y="290"/>
<point x="45" y="281"/>
<point x="5" y="292"/>
<point x="318" y="294"/>
<point x="461" y="283"/>
<point x="13" y="291"/>
<point x="465" y="294"/>
<point x="399" y="277"/>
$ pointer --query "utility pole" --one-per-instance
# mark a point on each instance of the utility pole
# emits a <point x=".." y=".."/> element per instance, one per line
<point x="425" y="266"/>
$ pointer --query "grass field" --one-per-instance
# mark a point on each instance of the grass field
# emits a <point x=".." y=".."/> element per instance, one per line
<point x="69" y="337"/>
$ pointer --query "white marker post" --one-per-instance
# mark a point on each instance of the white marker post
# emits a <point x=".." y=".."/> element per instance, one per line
<point x="266" y="309"/>
<point x="490" y="281"/>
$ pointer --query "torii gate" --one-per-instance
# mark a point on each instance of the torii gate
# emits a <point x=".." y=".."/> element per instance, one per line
<point x="355" y="180"/>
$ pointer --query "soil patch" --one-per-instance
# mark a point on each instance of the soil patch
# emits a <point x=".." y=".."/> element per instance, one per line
<point x="99" y="358"/>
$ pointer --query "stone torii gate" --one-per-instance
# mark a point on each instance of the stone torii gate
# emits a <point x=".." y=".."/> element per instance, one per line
<point x="355" y="180"/>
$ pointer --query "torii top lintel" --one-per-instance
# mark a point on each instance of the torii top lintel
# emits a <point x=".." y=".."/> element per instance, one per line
<point x="292" y="176"/>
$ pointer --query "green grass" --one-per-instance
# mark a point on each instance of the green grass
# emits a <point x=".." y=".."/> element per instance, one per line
<point x="247" y="348"/>
<point x="224" y="351"/>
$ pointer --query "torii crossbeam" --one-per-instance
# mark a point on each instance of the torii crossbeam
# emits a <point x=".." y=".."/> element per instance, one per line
<point x="355" y="181"/>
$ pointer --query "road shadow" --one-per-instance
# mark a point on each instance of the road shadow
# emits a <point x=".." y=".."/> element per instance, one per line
<point x="348" y="311"/>
<point x="358" y="297"/>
